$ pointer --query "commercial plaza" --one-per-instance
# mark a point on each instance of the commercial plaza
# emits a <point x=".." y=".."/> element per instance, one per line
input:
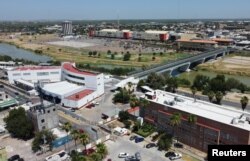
<point x="215" y="124"/>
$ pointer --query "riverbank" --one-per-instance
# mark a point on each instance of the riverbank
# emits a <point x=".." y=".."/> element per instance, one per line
<point x="39" y="45"/>
<point x="231" y="65"/>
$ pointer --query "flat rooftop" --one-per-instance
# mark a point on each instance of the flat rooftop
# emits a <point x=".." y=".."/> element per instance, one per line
<point x="223" y="114"/>
<point x="61" y="88"/>
<point x="80" y="95"/>
<point x="197" y="41"/>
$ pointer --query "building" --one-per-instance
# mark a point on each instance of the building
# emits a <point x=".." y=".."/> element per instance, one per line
<point x="215" y="124"/>
<point x="63" y="84"/>
<point x="43" y="116"/>
<point x="76" y="89"/>
<point x="67" y="28"/>
<point x="195" y="44"/>
<point x="34" y="74"/>
<point x="223" y="41"/>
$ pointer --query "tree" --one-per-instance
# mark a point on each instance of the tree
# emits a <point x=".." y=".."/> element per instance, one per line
<point x="210" y="95"/>
<point x="123" y="115"/>
<point x="102" y="150"/>
<point x="218" y="83"/>
<point x="84" y="139"/>
<point x="112" y="56"/>
<point x="232" y="83"/>
<point x="155" y="81"/>
<point x="218" y="97"/>
<point x="75" y="135"/>
<point x="96" y="157"/>
<point x="90" y="53"/>
<point x="18" y="124"/>
<point x="192" y="119"/>
<point x="165" y="142"/>
<point x="108" y="52"/>
<point x="244" y="101"/>
<point x="44" y="137"/>
<point x="122" y="96"/>
<point x="242" y="87"/>
<point x="172" y="84"/>
<point x="200" y="82"/>
<point x="126" y="57"/>
<point x="175" y="120"/>
<point x="75" y="156"/>
<point x="140" y="84"/>
<point x="67" y="128"/>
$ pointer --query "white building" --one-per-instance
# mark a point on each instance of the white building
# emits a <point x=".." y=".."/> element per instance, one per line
<point x="65" y="84"/>
<point x="34" y="74"/>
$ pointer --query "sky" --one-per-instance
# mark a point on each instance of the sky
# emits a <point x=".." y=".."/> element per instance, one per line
<point x="124" y="9"/>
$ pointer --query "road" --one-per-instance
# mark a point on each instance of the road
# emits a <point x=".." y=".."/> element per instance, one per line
<point x="234" y="105"/>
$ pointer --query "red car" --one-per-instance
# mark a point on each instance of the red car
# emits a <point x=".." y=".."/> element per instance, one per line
<point x="88" y="151"/>
<point x="90" y="105"/>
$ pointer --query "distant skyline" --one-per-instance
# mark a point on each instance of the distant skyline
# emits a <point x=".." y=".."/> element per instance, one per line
<point x="126" y="9"/>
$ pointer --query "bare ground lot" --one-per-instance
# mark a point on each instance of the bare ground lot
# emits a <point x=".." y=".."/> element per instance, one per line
<point x="236" y="65"/>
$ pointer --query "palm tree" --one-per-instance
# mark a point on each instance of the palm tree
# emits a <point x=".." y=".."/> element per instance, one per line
<point x="130" y="84"/>
<point x="75" y="135"/>
<point x="192" y="119"/>
<point x="175" y="121"/>
<point x="84" y="138"/>
<point x="210" y="95"/>
<point x="102" y="150"/>
<point x="244" y="101"/>
<point x="143" y="103"/>
<point x="194" y="90"/>
<point x="67" y="128"/>
<point x="218" y="96"/>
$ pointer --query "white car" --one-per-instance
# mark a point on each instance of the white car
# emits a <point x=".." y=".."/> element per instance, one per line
<point x="176" y="156"/>
<point x="123" y="155"/>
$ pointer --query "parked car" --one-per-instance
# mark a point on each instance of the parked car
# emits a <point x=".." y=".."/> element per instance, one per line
<point x="90" y="106"/>
<point x="72" y="110"/>
<point x="150" y="145"/>
<point x="123" y="155"/>
<point x="139" y="139"/>
<point x="130" y="158"/>
<point x="137" y="156"/>
<point x="20" y="159"/>
<point x="176" y="156"/>
<point x="178" y="145"/>
<point x="14" y="157"/>
<point x="88" y="151"/>
<point x="109" y="160"/>
<point x="169" y="154"/>
<point x="132" y="137"/>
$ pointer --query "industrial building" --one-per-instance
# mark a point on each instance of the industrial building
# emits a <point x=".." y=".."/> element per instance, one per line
<point x="67" y="28"/>
<point x="127" y="34"/>
<point x="215" y="124"/>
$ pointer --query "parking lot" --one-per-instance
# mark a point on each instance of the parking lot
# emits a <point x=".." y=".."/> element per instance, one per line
<point x="123" y="144"/>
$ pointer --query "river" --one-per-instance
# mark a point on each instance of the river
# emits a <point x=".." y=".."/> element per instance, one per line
<point x="14" y="52"/>
<point x="192" y="74"/>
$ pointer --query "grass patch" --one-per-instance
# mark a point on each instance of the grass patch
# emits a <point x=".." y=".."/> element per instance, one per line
<point x="145" y="130"/>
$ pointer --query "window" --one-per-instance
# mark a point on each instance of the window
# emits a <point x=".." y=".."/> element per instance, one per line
<point x="48" y="111"/>
<point x="16" y="74"/>
<point x="54" y="109"/>
<point x="42" y="120"/>
<point x="54" y="73"/>
<point x="43" y="127"/>
<point x="26" y="73"/>
<point x="42" y="73"/>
